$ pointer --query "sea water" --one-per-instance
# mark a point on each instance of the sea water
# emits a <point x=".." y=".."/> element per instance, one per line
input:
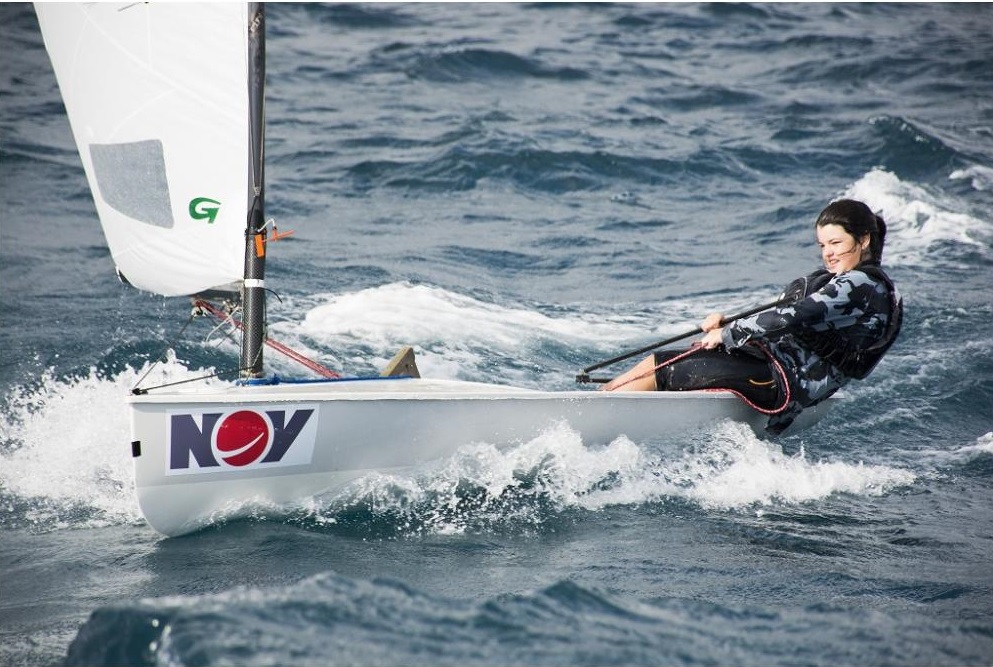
<point x="519" y="191"/>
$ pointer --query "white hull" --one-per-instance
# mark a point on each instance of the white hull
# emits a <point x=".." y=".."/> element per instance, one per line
<point x="314" y="438"/>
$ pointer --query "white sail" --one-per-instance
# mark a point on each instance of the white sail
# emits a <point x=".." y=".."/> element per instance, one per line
<point x="157" y="97"/>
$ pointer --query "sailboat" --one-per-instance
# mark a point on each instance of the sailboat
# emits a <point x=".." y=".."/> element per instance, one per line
<point x="166" y="104"/>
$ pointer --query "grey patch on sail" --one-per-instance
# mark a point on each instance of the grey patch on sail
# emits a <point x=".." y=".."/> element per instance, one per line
<point x="132" y="180"/>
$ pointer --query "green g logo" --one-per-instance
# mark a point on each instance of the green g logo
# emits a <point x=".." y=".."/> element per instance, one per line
<point x="204" y="208"/>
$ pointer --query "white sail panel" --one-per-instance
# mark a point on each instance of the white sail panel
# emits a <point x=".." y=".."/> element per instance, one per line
<point x="157" y="97"/>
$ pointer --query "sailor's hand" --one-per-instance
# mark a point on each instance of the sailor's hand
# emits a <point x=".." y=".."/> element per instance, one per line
<point x="712" y="338"/>
<point x="712" y="321"/>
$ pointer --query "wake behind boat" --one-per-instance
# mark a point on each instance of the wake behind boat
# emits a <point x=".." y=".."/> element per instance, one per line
<point x="170" y="130"/>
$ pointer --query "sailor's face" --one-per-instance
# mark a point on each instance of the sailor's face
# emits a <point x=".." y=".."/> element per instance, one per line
<point x="840" y="250"/>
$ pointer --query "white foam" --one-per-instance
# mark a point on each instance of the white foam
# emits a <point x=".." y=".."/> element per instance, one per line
<point x="737" y="470"/>
<point x="732" y="469"/>
<point x="916" y="220"/>
<point x="426" y="314"/>
<point x="568" y="471"/>
<point x="983" y="445"/>
<point x="67" y="452"/>
<point x="982" y="177"/>
<point x="555" y="466"/>
<point x="453" y="334"/>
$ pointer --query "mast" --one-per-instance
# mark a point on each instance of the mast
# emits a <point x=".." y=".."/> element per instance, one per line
<point x="253" y="292"/>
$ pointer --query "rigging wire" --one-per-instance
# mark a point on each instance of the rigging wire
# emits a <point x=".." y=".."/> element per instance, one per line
<point x="201" y="307"/>
<point x="138" y="392"/>
<point x="274" y="344"/>
<point x="162" y="355"/>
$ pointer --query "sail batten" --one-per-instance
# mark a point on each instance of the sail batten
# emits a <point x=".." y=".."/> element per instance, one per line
<point x="156" y="95"/>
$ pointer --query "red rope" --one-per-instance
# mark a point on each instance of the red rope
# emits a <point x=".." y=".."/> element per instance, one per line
<point x="785" y="384"/>
<point x="276" y="345"/>
<point x="787" y="393"/>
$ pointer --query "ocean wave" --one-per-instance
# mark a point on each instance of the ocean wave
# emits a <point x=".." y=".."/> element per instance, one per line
<point x="459" y="62"/>
<point x="335" y="620"/>
<point x="331" y="619"/>
<point x="922" y="227"/>
<point x="917" y="149"/>
<point x="359" y="16"/>
<point x="983" y="445"/>
<point x="464" y="165"/>
<point x="980" y="177"/>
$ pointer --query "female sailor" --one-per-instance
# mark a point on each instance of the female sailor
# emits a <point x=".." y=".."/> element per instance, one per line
<point x="836" y="324"/>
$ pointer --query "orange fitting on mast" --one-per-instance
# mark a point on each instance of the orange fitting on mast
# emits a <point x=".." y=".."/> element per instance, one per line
<point x="260" y="240"/>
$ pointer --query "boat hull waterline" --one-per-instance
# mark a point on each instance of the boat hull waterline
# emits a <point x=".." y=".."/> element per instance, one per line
<point x="211" y="456"/>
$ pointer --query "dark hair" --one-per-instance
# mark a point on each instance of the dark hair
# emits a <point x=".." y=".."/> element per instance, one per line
<point x="858" y="220"/>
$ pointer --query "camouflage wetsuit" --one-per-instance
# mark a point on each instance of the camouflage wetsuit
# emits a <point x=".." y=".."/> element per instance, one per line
<point x="837" y="329"/>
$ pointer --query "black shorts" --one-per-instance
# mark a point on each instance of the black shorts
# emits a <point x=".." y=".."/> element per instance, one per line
<point x="745" y="371"/>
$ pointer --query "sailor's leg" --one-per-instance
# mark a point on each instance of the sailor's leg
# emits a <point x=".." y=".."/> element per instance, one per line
<point x="639" y="378"/>
<point x="718" y="369"/>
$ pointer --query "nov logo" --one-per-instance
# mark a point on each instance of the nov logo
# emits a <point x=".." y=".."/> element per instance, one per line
<point x="240" y="439"/>
<point x="204" y="208"/>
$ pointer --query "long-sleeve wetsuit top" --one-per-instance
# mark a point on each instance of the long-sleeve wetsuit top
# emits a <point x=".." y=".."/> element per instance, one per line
<point x="852" y="311"/>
